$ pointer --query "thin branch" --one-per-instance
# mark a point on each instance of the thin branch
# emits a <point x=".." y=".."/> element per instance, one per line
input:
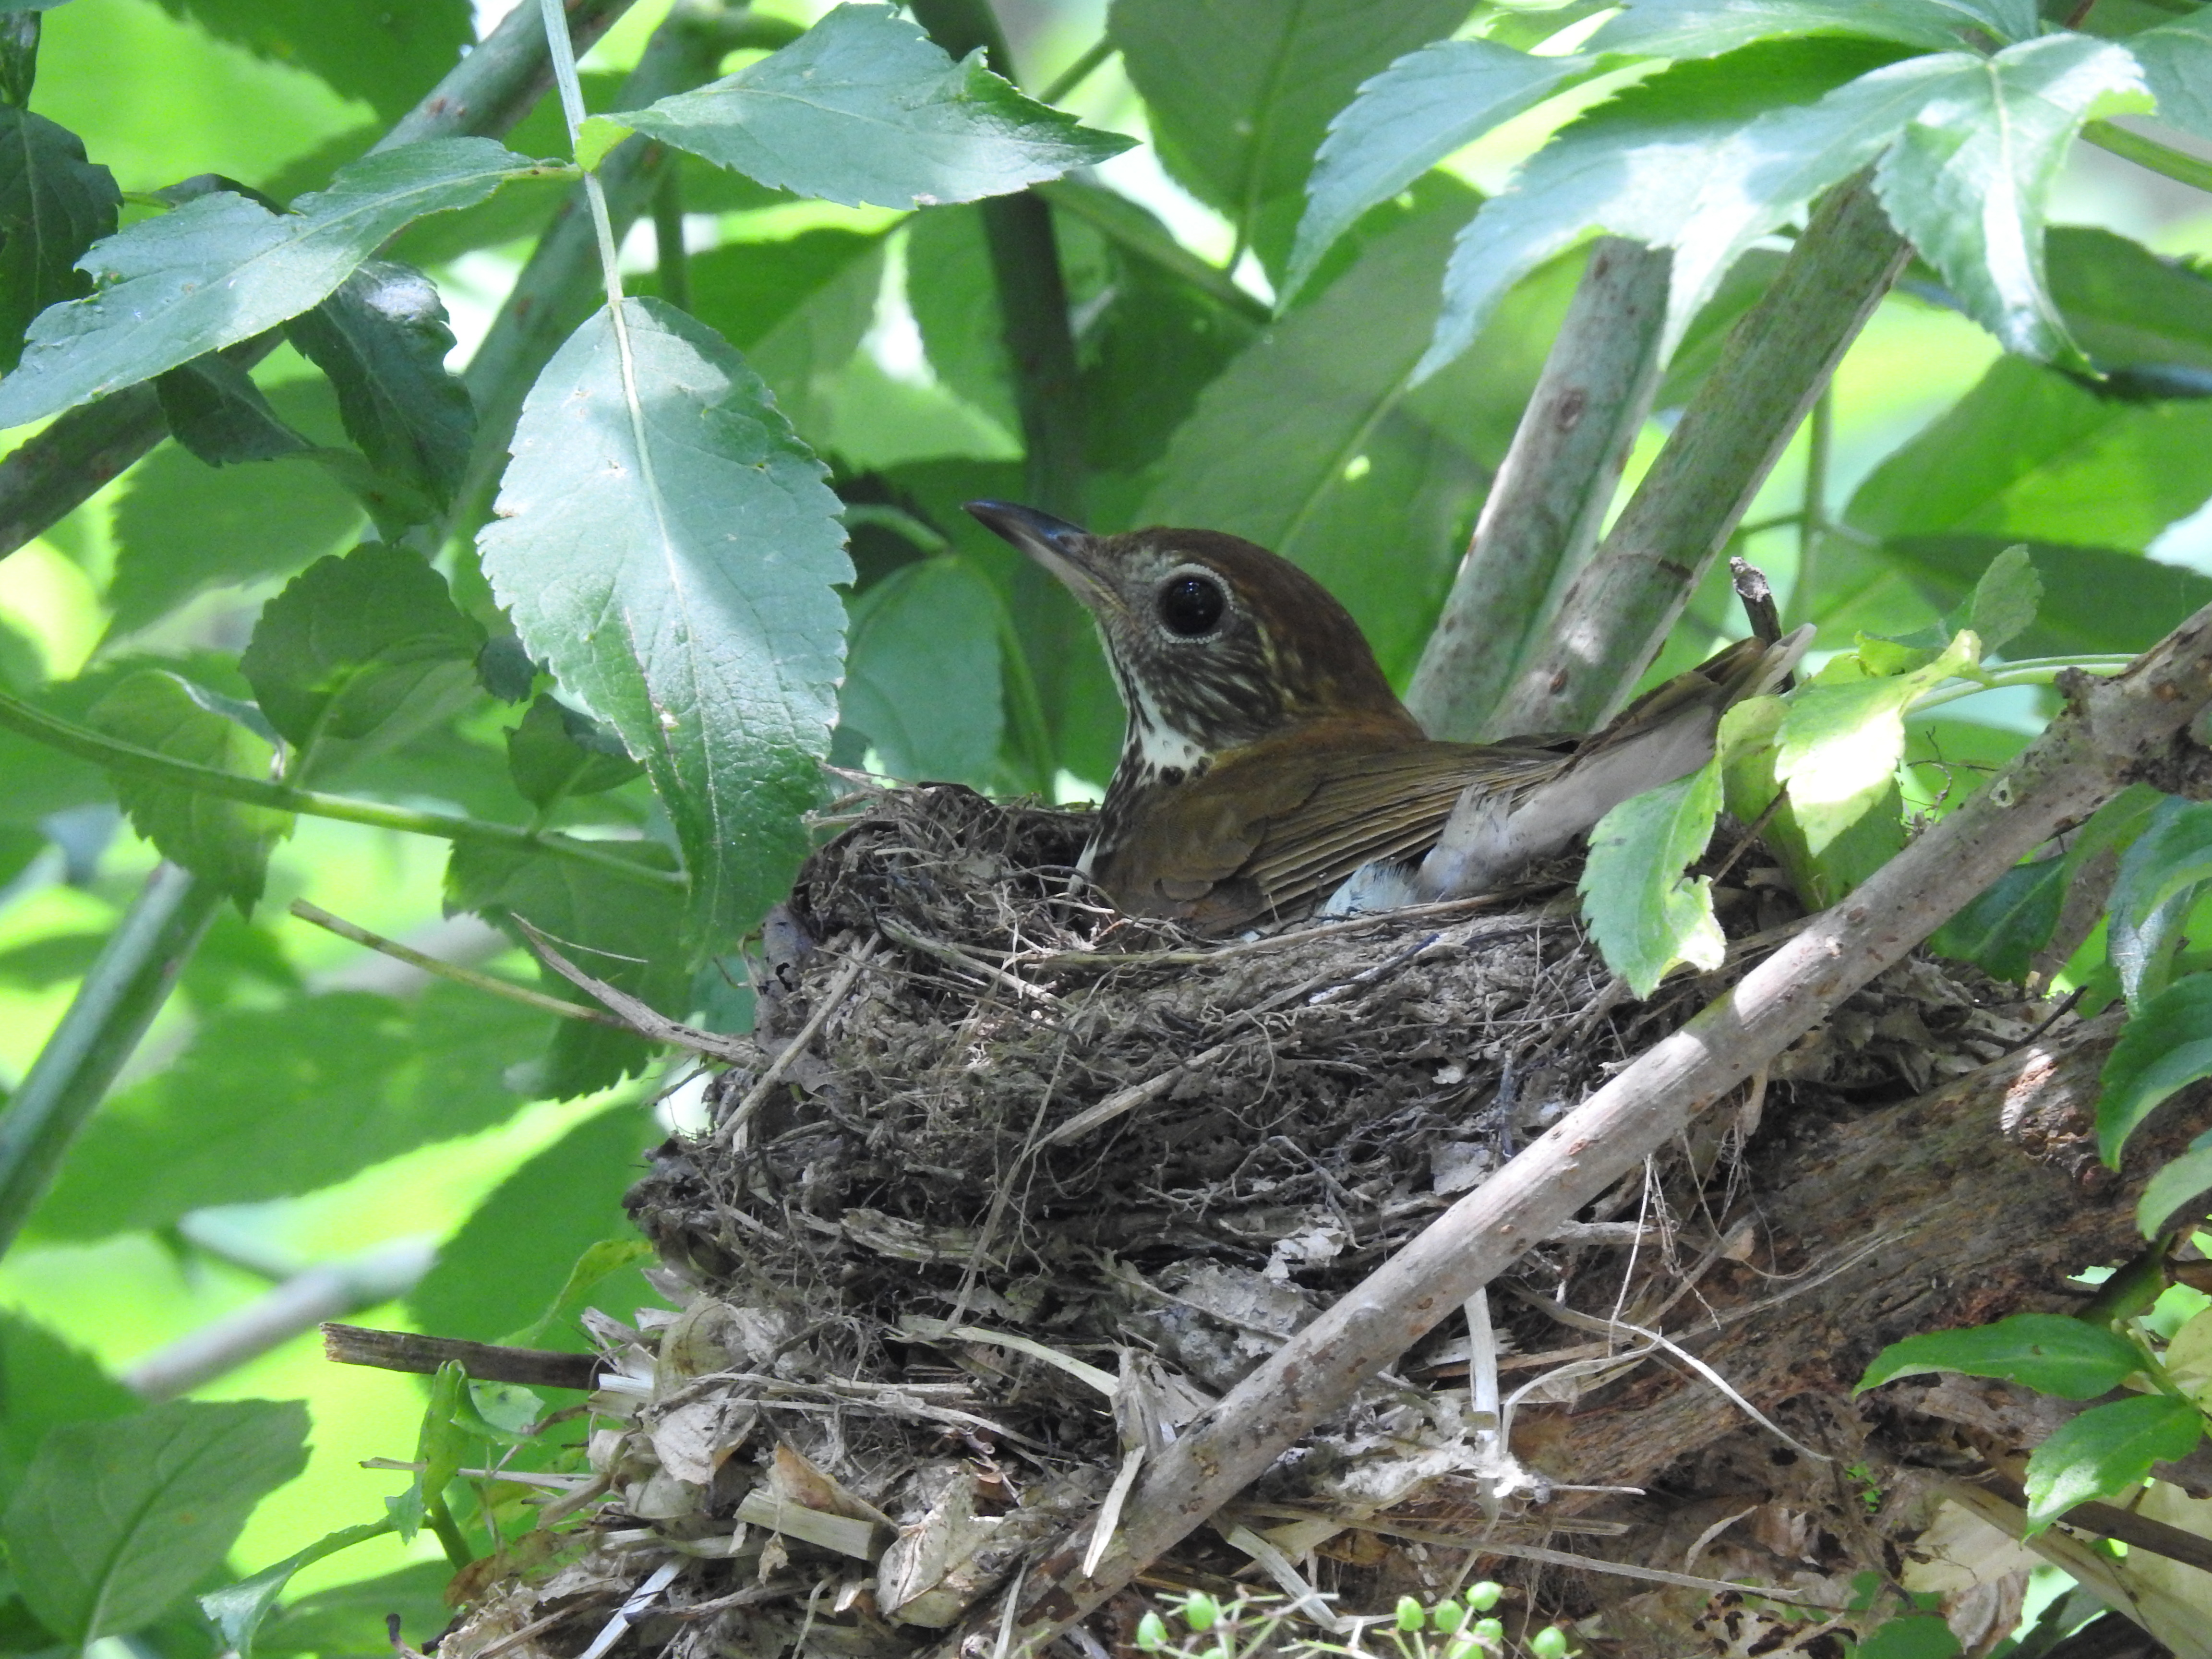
<point x="1548" y="501"/>
<point x="2145" y="152"/>
<point x="404" y="1351"/>
<point x="1772" y="367"/>
<point x="133" y="761"/>
<point x="1813" y="516"/>
<point x="1080" y="70"/>
<point x="2111" y="731"/>
<point x="447" y="970"/>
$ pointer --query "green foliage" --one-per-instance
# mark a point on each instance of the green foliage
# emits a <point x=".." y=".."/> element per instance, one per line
<point x="2001" y="930"/>
<point x="46" y="1383"/>
<point x="922" y="678"/>
<point x="2178" y="1181"/>
<point x="2106" y="1452"/>
<point x="54" y="205"/>
<point x="2167" y="1045"/>
<point x="1646" y="915"/>
<point x="350" y="1618"/>
<point x="1697" y="28"/>
<point x="386" y="56"/>
<point x="239" y="1610"/>
<point x="2048" y="1352"/>
<point x="2159" y="877"/>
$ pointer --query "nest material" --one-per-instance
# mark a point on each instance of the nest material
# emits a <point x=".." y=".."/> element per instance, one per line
<point x="1004" y="1150"/>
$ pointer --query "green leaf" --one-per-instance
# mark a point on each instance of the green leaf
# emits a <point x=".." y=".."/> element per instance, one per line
<point x="601" y="1261"/>
<point x="272" y="1101"/>
<point x="1764" y="131"/>
<point x="54" y="205"/>
<point x="511" y="1258"/>
<point x="2177" y="63"/>
<point x="222" y="269"/>
<point x="223" y="841"/>
<point x="1239" y="93"/>
<point x="2180" y="1182"/>
<point x="2167" y="1046"/>
<point x="556" y="752"/>
<point x="921" y="676"/>
<point x="954" y="294"/>
<point x="1705" y="28"/>
<point x="382" y="339"/>
<point x="1968" y="179"/>
<point x="2160" y="875"/>
<point x="1918" y="1637"/>
<point x="864" y="108"/>
<point x="439" y="1444"/>
<point x="1409" y="118"/>
<point x="183" y="526"/>
<point x="348" y="1619"/>
<point x="2105" y="1452"/>
<point x="215" y="410"/>
<point x="45" y="1382"/>
<point x="2006" y="597"/>
<point x="2048" y="1352"/>
<point x="351" y="641"/>
<point x="386" y="56"/>
<point x="115" y="1520"/>
<point x="2003" y="928"/>
<point x="2145" y="321"/>
<point x="1644" y="913"/>
<point x="239" y="1609"/>
<point x="673" y="563"/>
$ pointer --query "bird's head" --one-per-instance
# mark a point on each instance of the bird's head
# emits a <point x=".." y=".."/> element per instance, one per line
<point x="1216" y="642"/>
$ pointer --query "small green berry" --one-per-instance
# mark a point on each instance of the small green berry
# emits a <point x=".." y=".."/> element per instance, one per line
<point x="1410" y="1616"/>
<point x="1200" y="1611"/>
<point x="1489" y="1632"/>
<point x="1152" y="1633"/>
<point x="1484" y="1596"/>
<point x="1549" y="1642"/>
<point x="1447" y="1616"/>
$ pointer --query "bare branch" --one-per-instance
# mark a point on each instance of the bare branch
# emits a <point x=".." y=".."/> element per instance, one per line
<point x="486" y="1362"/>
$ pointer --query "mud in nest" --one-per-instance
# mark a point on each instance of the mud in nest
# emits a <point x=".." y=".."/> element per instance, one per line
<point x="1004" y="1151"/>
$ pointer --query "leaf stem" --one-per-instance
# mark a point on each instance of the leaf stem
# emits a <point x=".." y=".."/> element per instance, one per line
<point x="2145" y="152"/>
<point x="442" y="1521"/>
<point x="2041" y="672"/>
<point x="1813" y="516"/>
<point x="1080" y="71"/>
<point x="133" y="761"/>
<point x="453" y="971"/>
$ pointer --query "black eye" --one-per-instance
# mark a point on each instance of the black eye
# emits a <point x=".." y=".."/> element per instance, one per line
<point x="1191" y="606"/>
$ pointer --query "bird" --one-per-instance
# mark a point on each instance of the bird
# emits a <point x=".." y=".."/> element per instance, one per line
<point x="1267" y="769"/>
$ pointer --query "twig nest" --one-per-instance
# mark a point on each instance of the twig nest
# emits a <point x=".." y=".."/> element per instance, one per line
<point x="1017" y="1186"/>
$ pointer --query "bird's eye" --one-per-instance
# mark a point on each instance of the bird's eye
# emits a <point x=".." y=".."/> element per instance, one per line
<point x="1191" y="606"/>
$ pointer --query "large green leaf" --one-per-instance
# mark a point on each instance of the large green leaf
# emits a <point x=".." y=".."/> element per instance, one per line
<point x="2106" y="1452"/>
<point x="921" y="676"/>
<point x="2177" y="62"/>
<point x="114" y="1521"/>
<point x="215" y="410"/>
<point x="2180" y="1182"/>
<point x="1703" y="28"/>
<point x="1704" y="157"/>
<point x="2142" y="318"/>
<point x="1644" y="913"/>
<point x="673" y="560"/>
<point x="2095" y="599"/>
<point x="237" y="1610"/>
<point x="2050" y="1353"/>
<point x="864" y="108"/>
<point x="54" y="205"/>
<point x="268" y="1103"/>
<point x="2160" y="875"/>
<point x="1968" y="178"/>
<point x="386" y="54"/>
<point x="226" y="842"/>
<point x="1409" y="118"/>
<point x="348" y="1619"/>
<point x="1240" y="92"/>
<point x="2010" y="921"/>
<point x="954" y="296"/>
<point x="222" y="268"/>
<point x="44" y="1381"/>
<point x="2165" y="1046"/>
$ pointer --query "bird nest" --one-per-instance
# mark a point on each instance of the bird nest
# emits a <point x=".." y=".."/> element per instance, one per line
<point x="1012" y="1177"/>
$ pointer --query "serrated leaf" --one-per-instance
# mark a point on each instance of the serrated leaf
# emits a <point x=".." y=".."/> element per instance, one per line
<point x="2166" y="1046"/>
<point x="1704" y="157"/>
<point x="225" y="842"/>
<point x="1968" y="179"/>
<point x="216" y="411"/>
<point x="556" y="752"/>
<point x="2105" y="1452"/>
<point x="2178" y="1181"/>
<point x="1705" y="28"/>
<point x="2048" y="1352"/>
<point x="114" y="1521"/>
<point x="382" y="339"/>
<point x="1239" y="91"/>
<point x="864" y="108"/>
<point x="237" y="1610"/>
<point x="2005" y="599"/>
<point x="2177" y="64"/>
<point x="54" y="205"/>
<point x="350" y="640"/>
<point x="45" y="1382"/>
<point x="601" y="1260"/>
<point x="921" y="672"/>
<point x="2159" y="878"/>
<point x="222" y="269"/>
<point x="2012" y="919"/>
<point x="674" y="564"/>
<point x="1409" y="118"/>
<point x="1645" y="914"/>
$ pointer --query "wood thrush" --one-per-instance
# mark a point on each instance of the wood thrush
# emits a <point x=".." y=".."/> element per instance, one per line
<point x="1266" y="760"/>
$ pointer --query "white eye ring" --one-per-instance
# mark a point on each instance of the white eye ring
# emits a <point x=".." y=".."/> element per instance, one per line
<point x="1191" y="603"/>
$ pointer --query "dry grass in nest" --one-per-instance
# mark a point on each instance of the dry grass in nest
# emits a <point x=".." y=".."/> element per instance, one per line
<point x="1016" y="1180"/>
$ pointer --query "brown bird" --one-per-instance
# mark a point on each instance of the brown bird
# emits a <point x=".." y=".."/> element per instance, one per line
<point x="1266" y="760"/>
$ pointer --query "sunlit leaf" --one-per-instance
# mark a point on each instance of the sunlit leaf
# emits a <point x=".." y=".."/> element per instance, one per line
<point x="2167" y="1046"/>
<point x="1645" y="912"/>
<point x="2178" y="1181"/>
<point x="54" y="205"/>
<point x="1703" y="29"/>
<point x="921" y="676"/>
<point x="2048" y="1352"/>
<point x="2005" y="599"/>
<point x="2106" y="1452"/>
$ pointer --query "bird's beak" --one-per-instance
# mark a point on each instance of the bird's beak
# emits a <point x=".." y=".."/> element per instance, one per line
<point x="1067" y="551"/>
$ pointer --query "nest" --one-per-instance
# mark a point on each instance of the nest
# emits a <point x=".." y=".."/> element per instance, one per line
<point x="1016" y="1181"/>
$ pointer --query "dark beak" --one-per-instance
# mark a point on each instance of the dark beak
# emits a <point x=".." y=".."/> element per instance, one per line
<point x="1062" y="548"/>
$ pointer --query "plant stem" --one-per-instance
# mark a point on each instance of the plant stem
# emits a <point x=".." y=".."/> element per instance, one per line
<point x="1122" y="222"/>
<point x="448" y="1530"/>
<point x="458" y="975"/>
<point x="1078" y="72"/>
<point x="2125" y="141"/>
<point x="1548" y="500"/>
<point x="674" y="264"/>
<point x="120" y="994"/>
<point x="129" y="759"/>
<point x="1813" y="516"/>
<point x="1772" y="366"/>
<point x="49" y="476"/>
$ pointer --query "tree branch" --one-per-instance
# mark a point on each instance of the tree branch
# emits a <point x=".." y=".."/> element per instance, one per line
<point x="404" y="1351"/>
<point x="49" y="476"/>
<point x="1548" y="502"/>
<point x="2112" y="733"/>
<point x="1773" y="365"/>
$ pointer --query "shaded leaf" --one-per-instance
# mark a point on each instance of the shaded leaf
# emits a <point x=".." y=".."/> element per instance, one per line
<point x="2048" y="1352"/>
<point x="921" y="674"/>
<point x="2167" y="1046"/>
<point x="1239" y="93"/>
<point x="223" y="841"/>
<point x="2012" y="919"/>
<point x="864" y="108"/>
<point x="2178" y="1181"/>
<point x="114" y="1521"/>
<point x="1703" y="29"/>
<point x="386" y="56"/>
<point x="556" y="752"/>
<point x="382" y="339"/>
<point x="2160" y="875"/>
<point x="350" y="1618"/>
<point x="54" y="205"/>
<point x="2105" y="1452"/>
<point x="2005" y="599"/>
<point x="1968" y="178"/>
<point x="222" y="269"/>
<point x="45" y="1382"/>
<point x="239" y="1609"/>
<point x="2177" y="63"/>
<point x="2096" y="599"/>
<point x="2144" y="320"/>
<point x="216" y="411"/>
<point x="1645" y="912"/>
<point x="674" y="565"/>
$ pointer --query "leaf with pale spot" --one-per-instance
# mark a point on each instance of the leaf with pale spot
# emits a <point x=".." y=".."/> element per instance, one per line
<point x="1645" y="914"/>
